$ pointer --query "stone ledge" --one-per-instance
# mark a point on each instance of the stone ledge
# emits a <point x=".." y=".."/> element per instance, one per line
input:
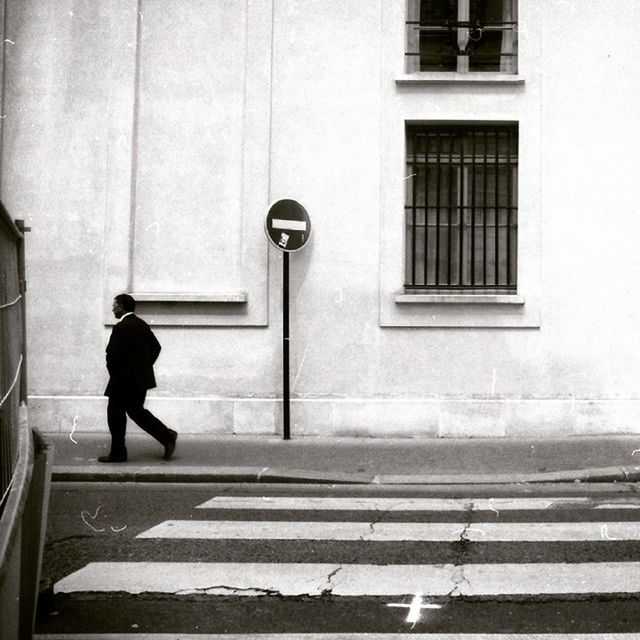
<point x="239" y="297"/>
<point x="429" y="298"/>
<point x="226" y="308"/>
<point x="445" y="78"/>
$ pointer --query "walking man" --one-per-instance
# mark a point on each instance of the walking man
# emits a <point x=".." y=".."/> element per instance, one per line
<point x="131" y="353"/>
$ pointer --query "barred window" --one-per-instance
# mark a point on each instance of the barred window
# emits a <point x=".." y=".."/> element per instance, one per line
<point x="462" y="36"/>
<point x="461" y="208"/>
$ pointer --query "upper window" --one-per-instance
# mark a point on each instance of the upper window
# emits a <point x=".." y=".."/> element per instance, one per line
<point x="462" y="36"/>
<point x="461" y="208"/>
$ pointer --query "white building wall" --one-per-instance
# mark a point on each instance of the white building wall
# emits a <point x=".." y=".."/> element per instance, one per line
<point x="141" y="166"/>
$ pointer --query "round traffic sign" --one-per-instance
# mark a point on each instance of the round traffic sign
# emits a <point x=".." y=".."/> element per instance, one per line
<point x="288" y="225"/>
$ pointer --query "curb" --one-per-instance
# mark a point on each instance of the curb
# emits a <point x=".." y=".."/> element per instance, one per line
<point x="140" y="473"/>
<point x="204" y="475"/>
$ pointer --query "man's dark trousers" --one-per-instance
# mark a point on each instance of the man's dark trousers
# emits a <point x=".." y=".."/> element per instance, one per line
<point x="131" y="354"/>
<point x="132" y="405"/>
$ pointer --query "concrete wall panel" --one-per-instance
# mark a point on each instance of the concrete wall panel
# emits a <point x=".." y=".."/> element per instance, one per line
<point x="187" y="223"/>
<point x="144" y="152"/>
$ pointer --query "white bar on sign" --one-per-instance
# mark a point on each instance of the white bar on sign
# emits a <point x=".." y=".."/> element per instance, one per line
<point x="289" y="225"/>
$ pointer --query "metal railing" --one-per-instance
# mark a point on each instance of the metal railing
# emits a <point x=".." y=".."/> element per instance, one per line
<point x="461" y="208"/>
<point x="25" y="458"/>
<point x="12" y="346"/>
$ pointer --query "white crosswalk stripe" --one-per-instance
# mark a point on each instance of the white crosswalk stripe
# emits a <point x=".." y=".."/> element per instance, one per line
<point x="312" y="503"/>
<point x="395" y="531"/>
<point x="298" y="579"/>
<point x="398" y="582"/>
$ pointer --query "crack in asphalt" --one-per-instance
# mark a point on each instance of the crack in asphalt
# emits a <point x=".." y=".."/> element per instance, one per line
<point x="381" y="516"/>
<point x="462" y="547"/>
<point x="468" y="509"/>
<point x="458" y="577"/>
<point x="463" y="533"/>
<point x="223" y="589"/>
<point x="329" y="590"/>
<point x="60" y="541"/>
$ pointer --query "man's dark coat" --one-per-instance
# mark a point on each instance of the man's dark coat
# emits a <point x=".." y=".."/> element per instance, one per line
<point x="131" y="353"/>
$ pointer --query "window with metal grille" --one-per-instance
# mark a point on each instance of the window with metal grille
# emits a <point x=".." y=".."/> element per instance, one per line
<point x="462" y="36"/>
<point x="461" y="208"/>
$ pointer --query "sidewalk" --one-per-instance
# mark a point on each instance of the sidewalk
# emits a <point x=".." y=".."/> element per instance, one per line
<point x="200" y="458"/>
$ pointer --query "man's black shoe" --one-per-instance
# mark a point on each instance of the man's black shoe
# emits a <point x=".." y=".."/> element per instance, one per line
<point x="170" y="446"/>
<point x="113" y="458"/>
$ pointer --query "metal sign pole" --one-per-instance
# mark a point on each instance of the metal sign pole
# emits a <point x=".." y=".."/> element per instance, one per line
<point x="285" y="343"/>
<point x="288" y="228"/>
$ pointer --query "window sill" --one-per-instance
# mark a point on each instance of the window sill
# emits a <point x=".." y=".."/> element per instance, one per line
<point x="424" y="298"/>
<point x="191" y="309"/>
<point x="238" y="297"/>
<point x="446" y="78"/>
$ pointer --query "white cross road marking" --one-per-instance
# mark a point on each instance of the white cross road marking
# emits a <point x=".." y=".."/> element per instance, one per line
<point x="415" y="608"/>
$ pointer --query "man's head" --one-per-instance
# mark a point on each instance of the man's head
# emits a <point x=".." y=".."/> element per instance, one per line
<point x="122" y="304"/>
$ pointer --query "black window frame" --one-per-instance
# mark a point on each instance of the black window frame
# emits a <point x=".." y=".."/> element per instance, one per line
<point x="457" y="188"/>
<point x="462" y="36"/>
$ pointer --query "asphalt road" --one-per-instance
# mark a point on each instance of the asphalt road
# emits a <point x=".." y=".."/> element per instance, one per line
<point x="99" y="523"/>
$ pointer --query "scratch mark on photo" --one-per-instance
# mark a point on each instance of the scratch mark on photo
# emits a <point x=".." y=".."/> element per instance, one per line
<point x="75" y="422"/>
<point x="304" y="357"/>
<point x="93" y="517"/>
<point x="605" y="534"/>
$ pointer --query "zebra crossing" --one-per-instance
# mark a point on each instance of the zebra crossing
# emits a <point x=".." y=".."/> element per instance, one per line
<point x="500" y="548"/>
